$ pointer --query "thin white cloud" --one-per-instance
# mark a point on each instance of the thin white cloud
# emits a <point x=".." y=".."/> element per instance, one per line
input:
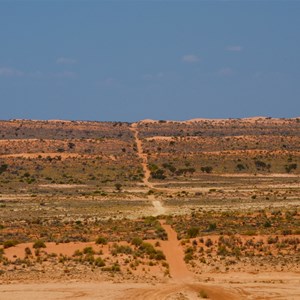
<point x="225" y="72"/>
<point x="36" y="74"/>
<point x="190" y="58"/>
<point x="234" y="48"/>
<point x="159" y="75"/>
<point x="65" y="74"/>
<point x="109" y="82"/>
<point x="10" y="72"/>
<point x="66" y="61"/>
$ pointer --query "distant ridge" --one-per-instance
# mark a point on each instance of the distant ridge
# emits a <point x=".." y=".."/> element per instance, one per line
<point x="249" y="119"/>
<point x="194" y="120"/>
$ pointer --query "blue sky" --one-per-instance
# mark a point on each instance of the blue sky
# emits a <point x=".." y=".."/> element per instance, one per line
<point x="130" y="60"/>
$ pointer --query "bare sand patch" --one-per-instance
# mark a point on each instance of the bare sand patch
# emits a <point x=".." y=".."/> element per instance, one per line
<point x="109" y="290"/>
<point x="61" y="186"/>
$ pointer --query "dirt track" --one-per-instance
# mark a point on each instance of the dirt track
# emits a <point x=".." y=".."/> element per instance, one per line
<point x="142" y="156"/>
<point x="159" y="209"/>
<point x="175" y="256"/>
<point x="181" y="285"/>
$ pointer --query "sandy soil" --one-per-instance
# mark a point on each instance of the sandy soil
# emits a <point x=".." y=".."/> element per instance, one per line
<point x="182" y="283"/>
<point x="108" y="290"/>
<point x="159" y="209"/>
<point x="175" y="256"/>
<point x="62" y="186"/>
<point x="275" y="286"/>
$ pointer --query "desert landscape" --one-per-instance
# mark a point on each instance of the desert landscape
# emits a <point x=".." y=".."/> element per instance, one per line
<point x="156" y="209"/>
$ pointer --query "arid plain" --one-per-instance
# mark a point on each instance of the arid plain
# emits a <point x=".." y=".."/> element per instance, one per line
<point x="150" y="210"/>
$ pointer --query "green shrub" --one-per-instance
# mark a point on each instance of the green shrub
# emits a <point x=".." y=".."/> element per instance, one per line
<point x="222" y="250"/>
<point x="212" y="226"/>
<point x="99" y="262"/>
<point x="101" y="240"/>
<point x="158" y="174"/>
<point x="260" y="165"/>
<point x="159" y="255"/>
<point x="240" y="167"/>
<point x="208" y="242"/>
<point x="118" y="186"/>
<point x="193" y="232"/>
<point x="206" y="169"/>
<point x="121" y="249"/>
<point x="136" y="241"/>
<point x="77" y="253"/>
<point x="89" y="257"/>
<point x="10" y="243"/>
<point x="114" y="268"/>
<point x="3" y="168"/>
<point x="188" y="257"/>
<point x="88" y="250"/>
<point x="28" y="251"/>
<point x="169" y="166"/>
<point x="39" y="244"/>
<point x="147" y="248"/>
<point x="290" y="167"/>
<point x="284" y="232"/>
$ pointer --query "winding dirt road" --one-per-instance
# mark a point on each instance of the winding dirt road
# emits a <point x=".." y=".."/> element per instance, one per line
<point x="181" y="285"/>
<point x="141" y="155"/>
<point x="159" y="209"/>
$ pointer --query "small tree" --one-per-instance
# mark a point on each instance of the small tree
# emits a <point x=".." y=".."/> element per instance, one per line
<point x="158" y="174"/>
<point x="290" y="167"/>
<point x="206" y="169"/>
<point x="193" y="232"/>
<point x="39" y="244"/>
<point x="212" y="226"/>
<point x="118" y="186"/>
<point x="9" y="243"/>
<point x="240" y="167"/>
<point x="101" y="240"/>
<point x="3" y="168"/>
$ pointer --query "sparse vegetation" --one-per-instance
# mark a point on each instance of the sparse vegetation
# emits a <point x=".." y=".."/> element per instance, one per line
<point x="83" y="184"/>
<point x="39" y="244"/>
<point x="10" y="243"/>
